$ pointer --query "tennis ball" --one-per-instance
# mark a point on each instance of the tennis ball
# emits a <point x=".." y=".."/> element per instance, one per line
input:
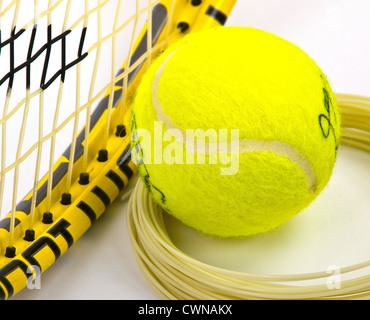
<point x="195" y="98"/>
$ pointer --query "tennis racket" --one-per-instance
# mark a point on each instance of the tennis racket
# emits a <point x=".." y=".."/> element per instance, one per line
<point x="68" y="73"/>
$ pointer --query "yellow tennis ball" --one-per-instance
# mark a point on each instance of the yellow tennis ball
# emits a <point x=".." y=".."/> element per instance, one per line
<point x="234" y="130"/>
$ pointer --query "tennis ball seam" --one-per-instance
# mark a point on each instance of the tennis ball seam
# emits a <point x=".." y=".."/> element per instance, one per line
<point x="245" y="145"/>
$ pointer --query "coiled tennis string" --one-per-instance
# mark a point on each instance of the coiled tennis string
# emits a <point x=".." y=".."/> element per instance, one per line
<point x="175" y="275"/>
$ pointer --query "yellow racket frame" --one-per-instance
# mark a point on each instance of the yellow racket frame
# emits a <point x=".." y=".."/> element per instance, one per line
<point x="70" y="218"/>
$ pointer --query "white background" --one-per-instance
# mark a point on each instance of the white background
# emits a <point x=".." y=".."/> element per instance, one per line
<point x="333" y="231"/>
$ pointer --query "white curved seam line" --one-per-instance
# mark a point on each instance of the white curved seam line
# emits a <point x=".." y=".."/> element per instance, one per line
<point x="277" y="147"/>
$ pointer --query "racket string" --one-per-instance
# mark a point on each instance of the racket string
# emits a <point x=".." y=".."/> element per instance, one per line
<point x="164" y="264"/>
<point x="34" y="54"/>
<point x="44" y="84"/>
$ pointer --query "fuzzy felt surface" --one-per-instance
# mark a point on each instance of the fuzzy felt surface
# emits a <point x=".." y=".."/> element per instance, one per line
<point x="268" y="89"/>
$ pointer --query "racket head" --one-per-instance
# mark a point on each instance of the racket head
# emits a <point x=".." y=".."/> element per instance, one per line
<point x="72" y="187"/>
